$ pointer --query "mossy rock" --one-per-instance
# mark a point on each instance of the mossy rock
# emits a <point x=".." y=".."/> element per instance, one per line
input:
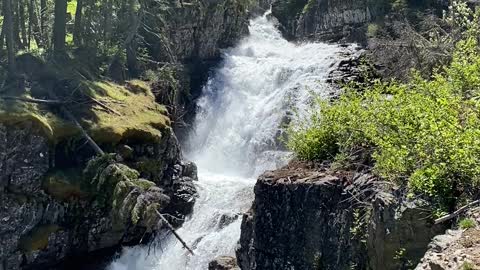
<point x="139" y="87"/>
<point x="149" y="168"/>
<point x="119" y="188"/>
<point x="65" y="185"/>
<point x="133" y="115"/>
<point x="38" y="238"/>
<point x="109" y="112"/>
<point x="37" y="118"/>
<point x="143" y="184"/>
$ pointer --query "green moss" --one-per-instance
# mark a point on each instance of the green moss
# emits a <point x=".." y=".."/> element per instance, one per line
<point x="131" y="115"/>
<point x="143" y="184"/>
<point x="149" y="167"/>
<point x="140" y="87"/>
<point x="150" y="215"/>
<point x="372" y="30"/>
<point x="118" y="186"/>
<point x="124" y="115"/>
<point x="65" y="185"/>
<point x="310" y="4"/>
<point x="37" y="117"/>
<point x="468" y="266"/>
<point x="37" y="239"/>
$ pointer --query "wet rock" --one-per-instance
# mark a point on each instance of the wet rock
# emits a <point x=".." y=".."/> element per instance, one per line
<point x="399" y="231"/>
<point x="226" y="219"/>
<point x="194" y="33"/>
<point x="223" y="263"/>
<point x="190" y="170"/>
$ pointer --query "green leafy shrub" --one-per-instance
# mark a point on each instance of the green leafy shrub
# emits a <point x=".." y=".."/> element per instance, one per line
<point x="423" y="134"/>
<point x="467" y="223"/>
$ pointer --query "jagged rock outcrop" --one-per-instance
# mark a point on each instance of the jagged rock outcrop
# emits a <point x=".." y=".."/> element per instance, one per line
<point x="193" y="33"/>
<point x="50" y="213"/>
<point x="305" y="217"/>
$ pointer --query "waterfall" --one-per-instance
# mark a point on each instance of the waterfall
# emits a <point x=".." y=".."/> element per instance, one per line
<point x="237" y="136"/>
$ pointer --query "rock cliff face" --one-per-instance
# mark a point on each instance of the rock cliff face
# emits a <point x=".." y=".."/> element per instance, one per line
<point x="338" y="20"/>
<point x="193" y="33"/>
<point x="326" y="19"/>
<point x="47" y="216"/>
<point x="305" y="217"/>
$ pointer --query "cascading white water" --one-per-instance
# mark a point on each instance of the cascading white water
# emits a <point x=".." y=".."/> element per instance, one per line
<point x="261" y="81"/>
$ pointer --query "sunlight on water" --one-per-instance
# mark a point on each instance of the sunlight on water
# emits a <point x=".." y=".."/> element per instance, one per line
<point x="259" y="84"/>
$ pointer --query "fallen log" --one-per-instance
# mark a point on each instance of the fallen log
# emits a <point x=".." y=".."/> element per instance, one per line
<point x="34" y="100"/>
<point x="170" y="227"/>
<point x="72" y="118"/>
<point x="105" y="107"/>
<point x="456" y="213"/>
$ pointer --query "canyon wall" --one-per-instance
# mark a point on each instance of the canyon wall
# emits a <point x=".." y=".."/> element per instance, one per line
<point x="307" y="217"/>
<point x="57" y="210"/>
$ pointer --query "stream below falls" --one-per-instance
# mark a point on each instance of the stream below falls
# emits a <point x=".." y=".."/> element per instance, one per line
<point x="261" y="82"/>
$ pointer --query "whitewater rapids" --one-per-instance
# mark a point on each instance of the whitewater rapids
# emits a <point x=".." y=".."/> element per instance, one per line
<point x="260" y="84"/>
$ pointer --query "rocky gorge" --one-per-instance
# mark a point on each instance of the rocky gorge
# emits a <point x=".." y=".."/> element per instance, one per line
<point x="61" y="203"/>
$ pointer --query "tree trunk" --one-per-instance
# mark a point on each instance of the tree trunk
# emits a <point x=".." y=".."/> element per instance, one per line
<point x="16" y="24"/>
<point x="77" y="28"/>
<point x="23" y="23"/>
<point x="131" y="40"/>
<point x="43" y="22"/>
<point x="60" y="27"/>
<point x="8" y="21"/>
<point x="2" y="36"/>
<point x="37" y="25"/>
<point x="31" y="22"/>
<point x="107" y="22"/>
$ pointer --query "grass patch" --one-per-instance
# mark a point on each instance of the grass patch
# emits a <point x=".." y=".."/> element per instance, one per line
<point x="467" y="223"/>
